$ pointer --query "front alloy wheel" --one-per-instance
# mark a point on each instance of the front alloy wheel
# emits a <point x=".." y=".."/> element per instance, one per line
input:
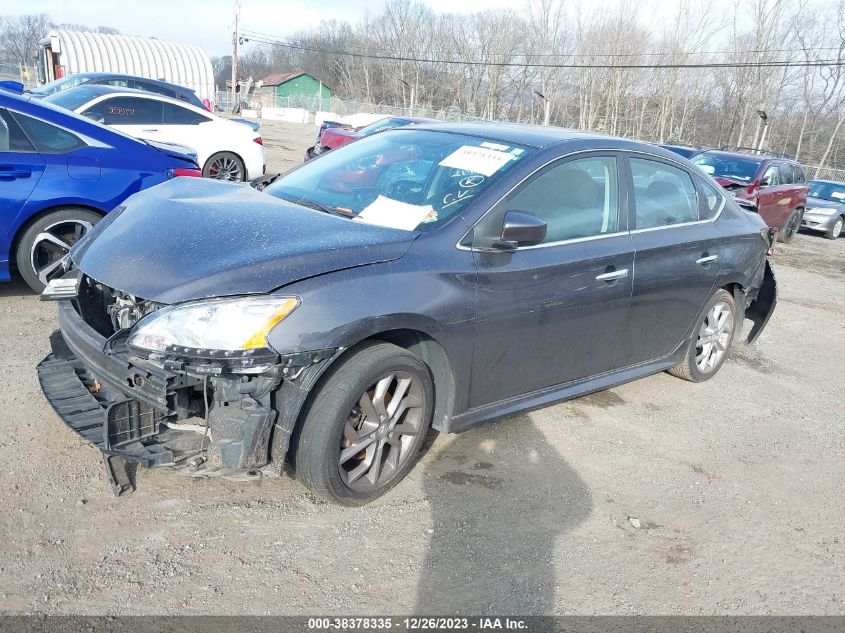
<point x="365" y="427"/>
<point x="835" y="231"/>
<point x="790" y="229"/>
<point x="378" y="437"/>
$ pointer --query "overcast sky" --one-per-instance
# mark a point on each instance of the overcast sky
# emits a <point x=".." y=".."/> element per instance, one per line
<point x="208" y="23"/>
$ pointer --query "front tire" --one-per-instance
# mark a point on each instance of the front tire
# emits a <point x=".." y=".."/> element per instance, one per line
<point x="47" y="240"/>
<point x="836" y="230"/>
<point x="713" y="336"/>
<point x="366" y="425"/>
<point x="224" y="166"/>
<point x="790" y="229"/>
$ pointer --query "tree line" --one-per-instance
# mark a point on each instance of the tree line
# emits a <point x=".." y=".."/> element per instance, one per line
<point x="698" y="75"/>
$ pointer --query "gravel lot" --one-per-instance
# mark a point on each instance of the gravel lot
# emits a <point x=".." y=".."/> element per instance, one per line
<point x="657" y="497"/>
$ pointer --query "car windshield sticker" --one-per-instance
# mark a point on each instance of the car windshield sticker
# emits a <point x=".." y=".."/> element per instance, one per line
<point x="394" y="214"/>
<point x="707" y="169"/>
<point x="501" y="148"/>
<point x="838" y="194"/>
<point x="480" y="160"/>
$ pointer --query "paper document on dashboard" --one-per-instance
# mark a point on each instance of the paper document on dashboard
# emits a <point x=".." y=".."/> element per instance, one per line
<point x="394" y="214"/>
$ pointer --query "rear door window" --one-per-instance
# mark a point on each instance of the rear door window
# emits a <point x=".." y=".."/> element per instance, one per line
<point x="177" y="115"/>
<point x="798" y="174"/>
<point x="786" y="174"/>
<point x="663" y="195"/>
<point x="12" y="138"/>
<point x="151" y="87"/>
<point x="127" y="111"/>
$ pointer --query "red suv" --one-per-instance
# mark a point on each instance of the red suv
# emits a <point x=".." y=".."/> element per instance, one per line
<point x="776" y="185"/>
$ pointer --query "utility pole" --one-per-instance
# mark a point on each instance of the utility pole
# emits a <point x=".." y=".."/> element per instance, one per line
<point x="235" y="57"/>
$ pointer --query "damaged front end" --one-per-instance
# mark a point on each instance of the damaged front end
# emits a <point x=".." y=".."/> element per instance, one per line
<point x="204" y="411"/>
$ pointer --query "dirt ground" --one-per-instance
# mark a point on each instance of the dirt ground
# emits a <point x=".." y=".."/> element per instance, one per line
<point x="657" y="497"/>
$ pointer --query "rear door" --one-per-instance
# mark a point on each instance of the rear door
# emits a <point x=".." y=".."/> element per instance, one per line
<point x="677" y="251"/>
<point x="21" y="167"/>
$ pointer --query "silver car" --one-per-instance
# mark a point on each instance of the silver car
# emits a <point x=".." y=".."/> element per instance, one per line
<point x="825" y="211"/>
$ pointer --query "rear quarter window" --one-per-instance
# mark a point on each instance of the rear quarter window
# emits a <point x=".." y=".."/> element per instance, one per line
<point x="46" y="137"/>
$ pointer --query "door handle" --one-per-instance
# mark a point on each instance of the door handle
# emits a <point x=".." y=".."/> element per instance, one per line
<point x="706" y="259"/>
<point x="613" y="275"/>
<point x="14" y="174"/>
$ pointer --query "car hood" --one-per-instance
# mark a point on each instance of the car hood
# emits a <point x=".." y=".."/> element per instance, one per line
<point x="336" y="136"/>
<point x="192" y="238"/>
<point x="727" y="182"/>
<point x="816" y="203"/>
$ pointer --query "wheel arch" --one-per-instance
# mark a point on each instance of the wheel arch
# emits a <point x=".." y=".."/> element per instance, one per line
<point x="293" y="400"/>
<point x="19" y="232"/>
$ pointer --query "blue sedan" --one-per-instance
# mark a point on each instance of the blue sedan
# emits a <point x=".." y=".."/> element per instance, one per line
<point x="59" y="174"/>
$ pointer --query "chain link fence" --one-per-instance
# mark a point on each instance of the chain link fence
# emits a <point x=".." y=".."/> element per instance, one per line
<point x="824" y="173"/>
<point x="27" y="75"/>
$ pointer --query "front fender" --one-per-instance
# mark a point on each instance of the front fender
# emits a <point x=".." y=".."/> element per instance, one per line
<point x="760" y="310"/>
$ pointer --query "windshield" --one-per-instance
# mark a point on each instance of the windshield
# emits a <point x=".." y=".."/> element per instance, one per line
<point x="726" y="166"/>
<point x="406" y="179"/>
<point x="72" y="99"/>
<point x="830" y="191"/>
<point x="61" y="84"/>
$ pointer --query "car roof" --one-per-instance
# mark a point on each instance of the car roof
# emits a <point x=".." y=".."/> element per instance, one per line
<point x="160" y="82"/>
<point x="532" y="135"/>
<point x="98" y="90"/>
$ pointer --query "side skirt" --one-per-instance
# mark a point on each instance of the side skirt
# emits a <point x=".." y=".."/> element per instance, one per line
<point x="559" y="393"/>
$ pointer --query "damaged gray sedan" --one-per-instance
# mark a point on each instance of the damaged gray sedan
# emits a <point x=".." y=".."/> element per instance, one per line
<point x="434" y="277"/>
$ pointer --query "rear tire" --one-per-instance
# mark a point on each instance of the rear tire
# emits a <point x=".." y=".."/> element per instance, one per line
<point x="711" y="340"/>
<point x="224" y="166"/>
<point x="47" y="240"/>
<point x="790" y="229"/>
<point x="836" y="230"/>
<point x="355" y="442"/>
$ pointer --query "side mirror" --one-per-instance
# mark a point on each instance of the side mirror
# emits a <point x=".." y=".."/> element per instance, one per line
<point x="522" y="229"/>
<point x="764" y="182"/>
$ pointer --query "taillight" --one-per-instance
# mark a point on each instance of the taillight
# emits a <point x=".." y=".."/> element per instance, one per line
<point x="207" y="104"/>
<point x="258" y="140"/>
<point x="184" y="171"/>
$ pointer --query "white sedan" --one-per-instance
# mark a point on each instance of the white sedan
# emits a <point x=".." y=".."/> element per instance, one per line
<point x="226" y="150"/>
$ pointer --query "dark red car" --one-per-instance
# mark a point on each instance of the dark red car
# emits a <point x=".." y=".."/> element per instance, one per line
<point x="777" y="186"/>
<point x="333" y="137"/>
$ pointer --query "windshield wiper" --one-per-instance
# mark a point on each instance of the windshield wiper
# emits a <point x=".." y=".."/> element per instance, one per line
<point x="311" y="204"/>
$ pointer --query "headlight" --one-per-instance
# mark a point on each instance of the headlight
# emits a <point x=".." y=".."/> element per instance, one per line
<point x="822" y="210"/>
<point x="213" y="326"/>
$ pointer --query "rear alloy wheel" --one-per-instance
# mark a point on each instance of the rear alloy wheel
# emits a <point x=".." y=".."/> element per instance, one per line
<point x="835" y="231"/>
<point x="48" y="240"/>
<point x="790" y="229"/>
<point x="366" y="425"/>
<point x="224" y="166"/>
<point x="708" y="349"/>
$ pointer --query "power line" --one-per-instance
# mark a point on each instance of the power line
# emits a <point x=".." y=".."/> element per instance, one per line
<point x="261" y="36"/>
<point x="424" y="60"/>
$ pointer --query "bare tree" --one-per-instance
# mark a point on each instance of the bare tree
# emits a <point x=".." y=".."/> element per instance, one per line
<point x="20" y="34"/>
